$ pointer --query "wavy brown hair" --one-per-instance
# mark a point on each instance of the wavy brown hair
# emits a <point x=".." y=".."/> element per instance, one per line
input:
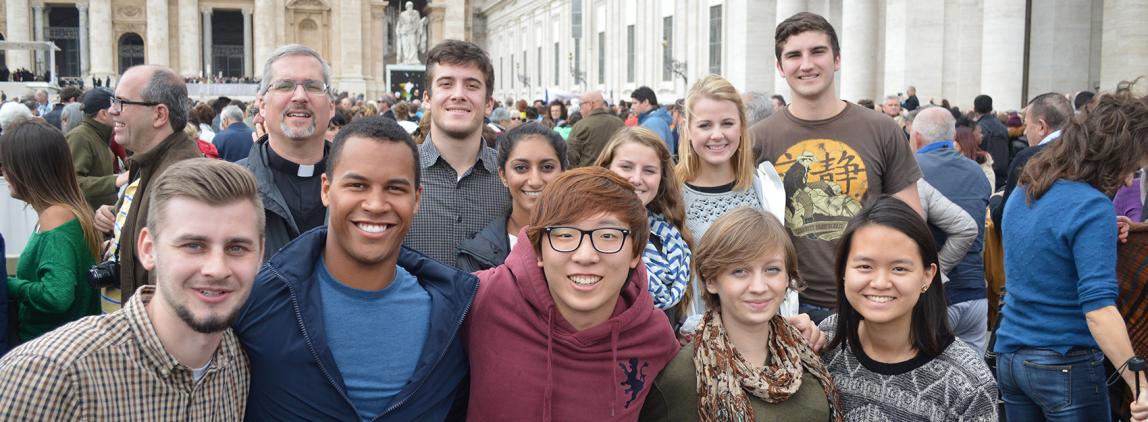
<point x="668" y="201"/>
<point x="1100" y="147"/>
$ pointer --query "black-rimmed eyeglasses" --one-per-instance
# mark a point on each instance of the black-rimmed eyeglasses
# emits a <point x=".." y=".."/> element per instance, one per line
<point x="118" y="103"/>
<point x="569" y="239"/>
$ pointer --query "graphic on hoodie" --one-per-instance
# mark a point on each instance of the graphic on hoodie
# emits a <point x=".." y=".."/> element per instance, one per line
<point x="635" y="379"/>
<point x="824" y="181"/>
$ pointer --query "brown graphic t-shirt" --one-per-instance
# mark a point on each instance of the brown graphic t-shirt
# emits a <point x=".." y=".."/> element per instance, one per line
<point x="831" y="169"/>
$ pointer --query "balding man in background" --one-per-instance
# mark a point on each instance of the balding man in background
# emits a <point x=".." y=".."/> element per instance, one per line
<point x="234" y="141"/>
<point x="589" y="135"/>
<point x="961" y="181"/>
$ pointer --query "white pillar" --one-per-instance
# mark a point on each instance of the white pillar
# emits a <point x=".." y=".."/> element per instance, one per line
<point x="750" y="66"/>
<point x="38" y="35"/>
<point x="189" y="64"/>
<point x="85" y="66"/>
<point x="208" y="71"/>
<point x="454" y="20"/>
<point x="785" y="10"/>
<point x="247" y="42"/>
<point x="16" y="14"/>
<point x="914" y="55"/>
<point x="100" y="35"/>
<point x="264" y="33"/>
<point x="1124" y="55"/>
<point x="157" y="33"/>
<point x="962" y="64"/>
<point x="858" y="35"/>
<point x="1002" y="69"/>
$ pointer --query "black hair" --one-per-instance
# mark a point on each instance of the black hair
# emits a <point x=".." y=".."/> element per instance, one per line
<point x="1082" y="99"/>
<point x="965" y="122"/>
<point x="929" y="330"/>
<point x="376" y="128"/>
<point x="514" y="136"/>
<point x="644" y="93"/>
<point x="338" y="119"/>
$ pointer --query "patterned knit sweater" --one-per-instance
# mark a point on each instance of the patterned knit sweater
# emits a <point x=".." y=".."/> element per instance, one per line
<point x="955" y="386"/>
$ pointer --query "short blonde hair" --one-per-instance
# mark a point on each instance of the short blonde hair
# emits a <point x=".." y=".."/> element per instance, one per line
<point x="717" y="88"/>
<point x="213" y="182"/>
<point x="737" y="238"/>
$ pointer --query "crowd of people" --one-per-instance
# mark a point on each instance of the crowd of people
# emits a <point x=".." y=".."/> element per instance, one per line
<point x="730" y="256"/>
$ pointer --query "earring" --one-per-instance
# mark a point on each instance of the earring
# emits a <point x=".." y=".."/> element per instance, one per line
<point x="924" y="289"/>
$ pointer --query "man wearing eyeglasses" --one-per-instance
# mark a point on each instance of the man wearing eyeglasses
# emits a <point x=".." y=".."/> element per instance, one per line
<point x="589" y="135"/>
<point x="296" y="105"/>
<point x="148" y="113"/>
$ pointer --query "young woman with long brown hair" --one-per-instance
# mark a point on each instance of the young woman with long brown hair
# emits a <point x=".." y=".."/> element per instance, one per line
<point x="51" y="285"/>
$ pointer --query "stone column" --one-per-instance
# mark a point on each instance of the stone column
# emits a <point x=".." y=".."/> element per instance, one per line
<point x="16" y="14"/>
<point x="157" y="33"/>
<point x="189" y="64"/>
<point x="247" y="42"/>
<point x="264" y="33"/>
<point x="100" y="35"/>
<point x="435" y="13"/>
<point x="454" y="20"/>
<point x="85" y="66"/>
<point x="785" y="9"/>
<point x="350" y="51"/>
<point x="38" y="35"/>
<point x="1124" y="55"/>
<point x="858" y="38"/>
<point x="375" y="55"/>
<point x="1002" y="69"/>
<point x="208" y="71"/>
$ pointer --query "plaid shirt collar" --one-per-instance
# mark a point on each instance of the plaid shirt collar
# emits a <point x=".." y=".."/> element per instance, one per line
<point x="429" y="155"/>
<point x="143" y="331"/>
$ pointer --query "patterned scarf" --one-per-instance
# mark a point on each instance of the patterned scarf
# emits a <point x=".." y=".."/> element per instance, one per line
<point x="723" y="398"/>
<point x="669" y="268"/>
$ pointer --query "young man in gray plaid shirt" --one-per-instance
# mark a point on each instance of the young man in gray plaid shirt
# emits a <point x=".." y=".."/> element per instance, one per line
<point x="461" y="189"/>
<point x="169" y="354"/>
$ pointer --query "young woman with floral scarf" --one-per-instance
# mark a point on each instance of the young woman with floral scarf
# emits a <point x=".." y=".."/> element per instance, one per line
<point x="746" y="362"/>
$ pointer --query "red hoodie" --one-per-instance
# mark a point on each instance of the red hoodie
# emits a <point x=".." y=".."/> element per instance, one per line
<point x="527" y="363"/>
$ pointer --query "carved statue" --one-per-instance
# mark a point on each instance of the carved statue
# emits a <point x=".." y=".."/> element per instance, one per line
<point x="411" y="35"/>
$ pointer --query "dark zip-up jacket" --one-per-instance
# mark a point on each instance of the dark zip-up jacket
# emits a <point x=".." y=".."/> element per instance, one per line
<point x="280" y="226"/>
<point x="293" y="373"/>
<point x="487" y="249"/>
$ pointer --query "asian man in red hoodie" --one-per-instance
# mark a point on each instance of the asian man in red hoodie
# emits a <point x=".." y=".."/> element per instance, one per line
<point x="566" y="330"/>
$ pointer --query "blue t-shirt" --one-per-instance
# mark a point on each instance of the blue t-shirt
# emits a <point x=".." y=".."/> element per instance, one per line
<point x="376" y="337"/>
<point x="1060" y="263"/>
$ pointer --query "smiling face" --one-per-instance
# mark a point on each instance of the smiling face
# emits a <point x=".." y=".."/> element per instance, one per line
<point x="204" y="266"/>
<point x="133" y="127"/>
<point x="371" y="199"/>
<point x="751" y="293"/>
<point x="639" y="164"/>
<point x="885" y="275"/>
<point x="458" y="100"/>
<point x="297" y="115"/>
<point x="531" y="164"/>
<point x="585" y="283"/>
<point x="715" y="130"/>
<point x="808" y="64"/>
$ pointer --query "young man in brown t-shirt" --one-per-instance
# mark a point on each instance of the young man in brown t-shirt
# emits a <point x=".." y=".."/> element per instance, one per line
<point x="834" y="157"/>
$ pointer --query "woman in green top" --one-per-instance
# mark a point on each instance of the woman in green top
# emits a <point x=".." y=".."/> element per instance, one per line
<point x="50" y="286"/>
<point x="746" y="363"/>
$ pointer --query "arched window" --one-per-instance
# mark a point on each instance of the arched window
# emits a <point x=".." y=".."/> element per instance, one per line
<point x="131" y="48"/>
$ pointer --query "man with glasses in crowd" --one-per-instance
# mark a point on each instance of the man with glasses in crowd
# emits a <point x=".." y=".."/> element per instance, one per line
<point x="148" y="113"/>
<point x="296" y="105"/>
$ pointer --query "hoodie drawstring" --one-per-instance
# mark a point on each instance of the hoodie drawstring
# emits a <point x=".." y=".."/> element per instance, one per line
<point x="614" y="329"/>
<point x="546" y="400"/>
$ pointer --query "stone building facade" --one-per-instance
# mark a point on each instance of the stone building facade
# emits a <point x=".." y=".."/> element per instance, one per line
<point x="954" y="49"/>
<point x="232" y="38"/>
